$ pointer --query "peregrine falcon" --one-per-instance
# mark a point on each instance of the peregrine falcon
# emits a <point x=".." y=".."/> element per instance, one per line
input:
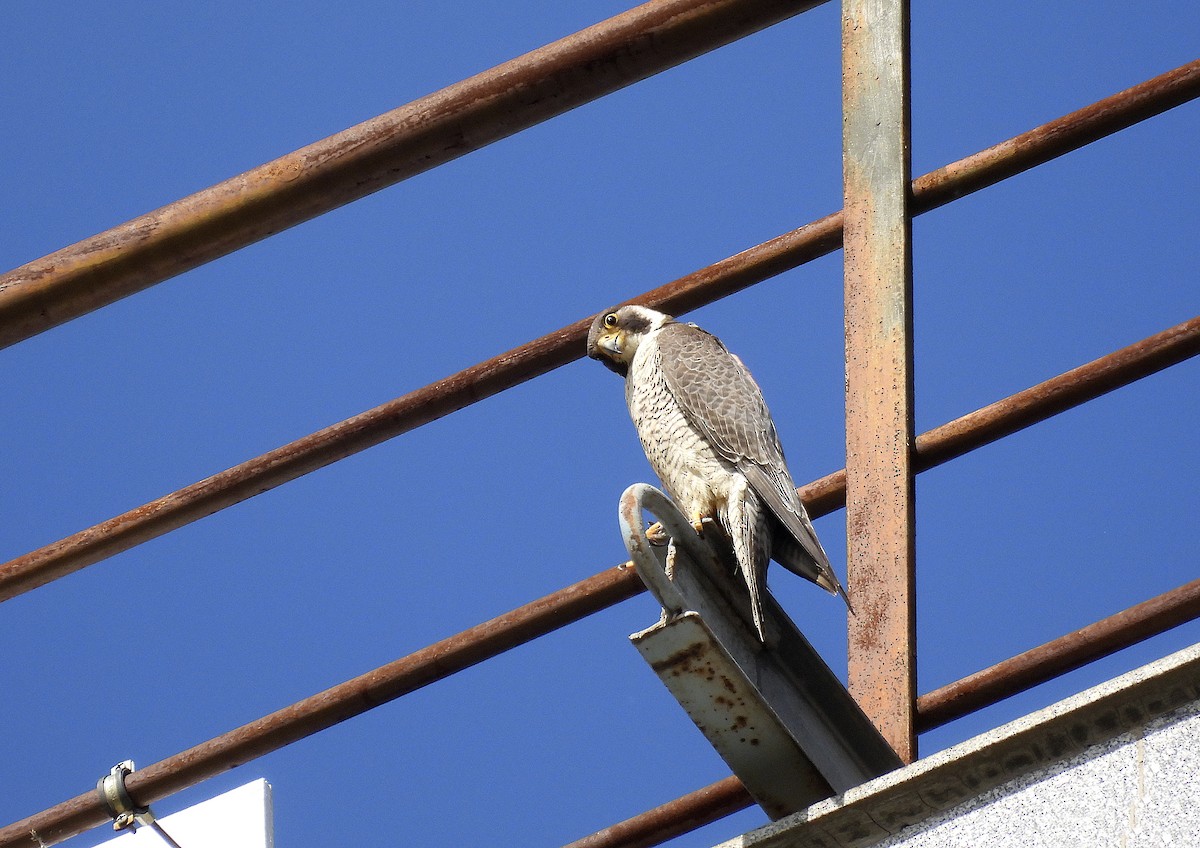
<point x="708" y="435"/>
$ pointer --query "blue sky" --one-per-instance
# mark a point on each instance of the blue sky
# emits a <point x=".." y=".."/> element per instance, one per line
<point x="115" y="109"/>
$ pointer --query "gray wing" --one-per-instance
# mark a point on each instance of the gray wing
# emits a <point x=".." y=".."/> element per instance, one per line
<point x="721" y="399"/>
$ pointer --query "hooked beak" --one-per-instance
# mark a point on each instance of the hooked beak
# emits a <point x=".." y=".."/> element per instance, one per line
<point x="610" y="343"/>
<point x="606" y="348"/>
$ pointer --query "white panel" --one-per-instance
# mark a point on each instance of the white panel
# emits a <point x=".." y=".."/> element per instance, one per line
<point x="240" y="818"/>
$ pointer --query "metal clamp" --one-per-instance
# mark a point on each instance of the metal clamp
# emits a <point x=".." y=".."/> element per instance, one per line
<point x="125" y="814"/>
<point x="115" y="797"/>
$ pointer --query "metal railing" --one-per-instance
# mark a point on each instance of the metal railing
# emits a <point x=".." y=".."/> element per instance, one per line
<point x="448" y="124"/>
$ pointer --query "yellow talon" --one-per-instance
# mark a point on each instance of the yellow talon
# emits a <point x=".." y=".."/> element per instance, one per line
<point x="657" y="535"/>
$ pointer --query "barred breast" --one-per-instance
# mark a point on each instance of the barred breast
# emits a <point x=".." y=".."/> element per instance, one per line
<point x="695" y="477"/>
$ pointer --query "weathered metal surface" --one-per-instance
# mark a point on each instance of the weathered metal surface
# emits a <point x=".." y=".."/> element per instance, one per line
<point x="774" y="711"/>
<point x="880" y="494"/>
<point x="544" y="354"/>
<point x="334" y="705"/>
<point x="290" y="461"/>
<point x="1119" y="757"/>
<point x="684" y="814"/>
<point x="731" y="713"/>
<point x="373" y="155"/>
<point x="1059" y="656"/>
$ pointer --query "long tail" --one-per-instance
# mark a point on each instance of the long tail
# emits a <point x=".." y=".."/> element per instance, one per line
<point x="747" y="529"/>
<point x="756" y="583"/>
<point x="786" y="551"/>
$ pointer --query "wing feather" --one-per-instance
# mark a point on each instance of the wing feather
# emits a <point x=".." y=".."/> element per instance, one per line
<point x="718" y="395"/>
<point x="721" y="399"/>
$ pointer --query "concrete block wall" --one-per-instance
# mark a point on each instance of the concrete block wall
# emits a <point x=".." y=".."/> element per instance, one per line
<point x="1117" y="765"/>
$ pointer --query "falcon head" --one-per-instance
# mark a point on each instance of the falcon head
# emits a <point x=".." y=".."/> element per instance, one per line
<point x="616" y="333"/>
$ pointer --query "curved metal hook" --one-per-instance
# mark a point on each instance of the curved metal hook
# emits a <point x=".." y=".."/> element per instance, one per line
<point x="654" y="563"/>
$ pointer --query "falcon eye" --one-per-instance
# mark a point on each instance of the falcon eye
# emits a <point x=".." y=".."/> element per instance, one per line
<point x="610" y="320"/>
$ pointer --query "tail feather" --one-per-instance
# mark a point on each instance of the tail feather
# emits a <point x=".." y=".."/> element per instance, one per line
<point x="795" y="558"/>
<point x="745" y="522"/>
<point x="756" y="609"/>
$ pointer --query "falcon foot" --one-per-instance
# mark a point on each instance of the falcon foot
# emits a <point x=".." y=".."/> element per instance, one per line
<point x="657" y="535"/>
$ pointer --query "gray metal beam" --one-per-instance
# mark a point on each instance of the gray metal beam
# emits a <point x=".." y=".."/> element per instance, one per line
<point x="773" y="710"/>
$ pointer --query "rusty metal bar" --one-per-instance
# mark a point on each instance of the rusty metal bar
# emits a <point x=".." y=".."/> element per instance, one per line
<point x="1059" y="656"/>
<point x="1049" y="398"/>
<point x="683" y="815"/>
<point x="373" y="155"/>
<point x="334" y="705"/>
<point x="938" y="187"/>
<point x="544" y="354"/>
<point x="1037" y="403"/>
<point x="290" y="461"/>
<point x="880" y="489"/>
<point x="1051" y="140"/>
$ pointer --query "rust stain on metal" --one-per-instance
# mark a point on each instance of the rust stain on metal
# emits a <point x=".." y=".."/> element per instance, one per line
<point x="879" y="436"/>
<point x="1070" y="132"/>
<point x="1087" y="382"/>
<point x="690" y="660"/>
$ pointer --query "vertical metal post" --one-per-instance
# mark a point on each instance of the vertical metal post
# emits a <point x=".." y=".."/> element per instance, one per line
<point x="879" y="420"/>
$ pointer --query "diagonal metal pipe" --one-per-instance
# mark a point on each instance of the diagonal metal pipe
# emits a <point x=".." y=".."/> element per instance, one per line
<point x="334" y="705"/>
<point x="674" y="818"/>
<point x="551" y="351"/>
<point x="373" y="155"/>
<point x="1059" y="656"/>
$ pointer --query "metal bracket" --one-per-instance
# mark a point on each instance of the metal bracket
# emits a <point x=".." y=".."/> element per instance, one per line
<point x="125" y="814"/>
<point x="774" y="711"/>
<point x="116" y="800"/>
